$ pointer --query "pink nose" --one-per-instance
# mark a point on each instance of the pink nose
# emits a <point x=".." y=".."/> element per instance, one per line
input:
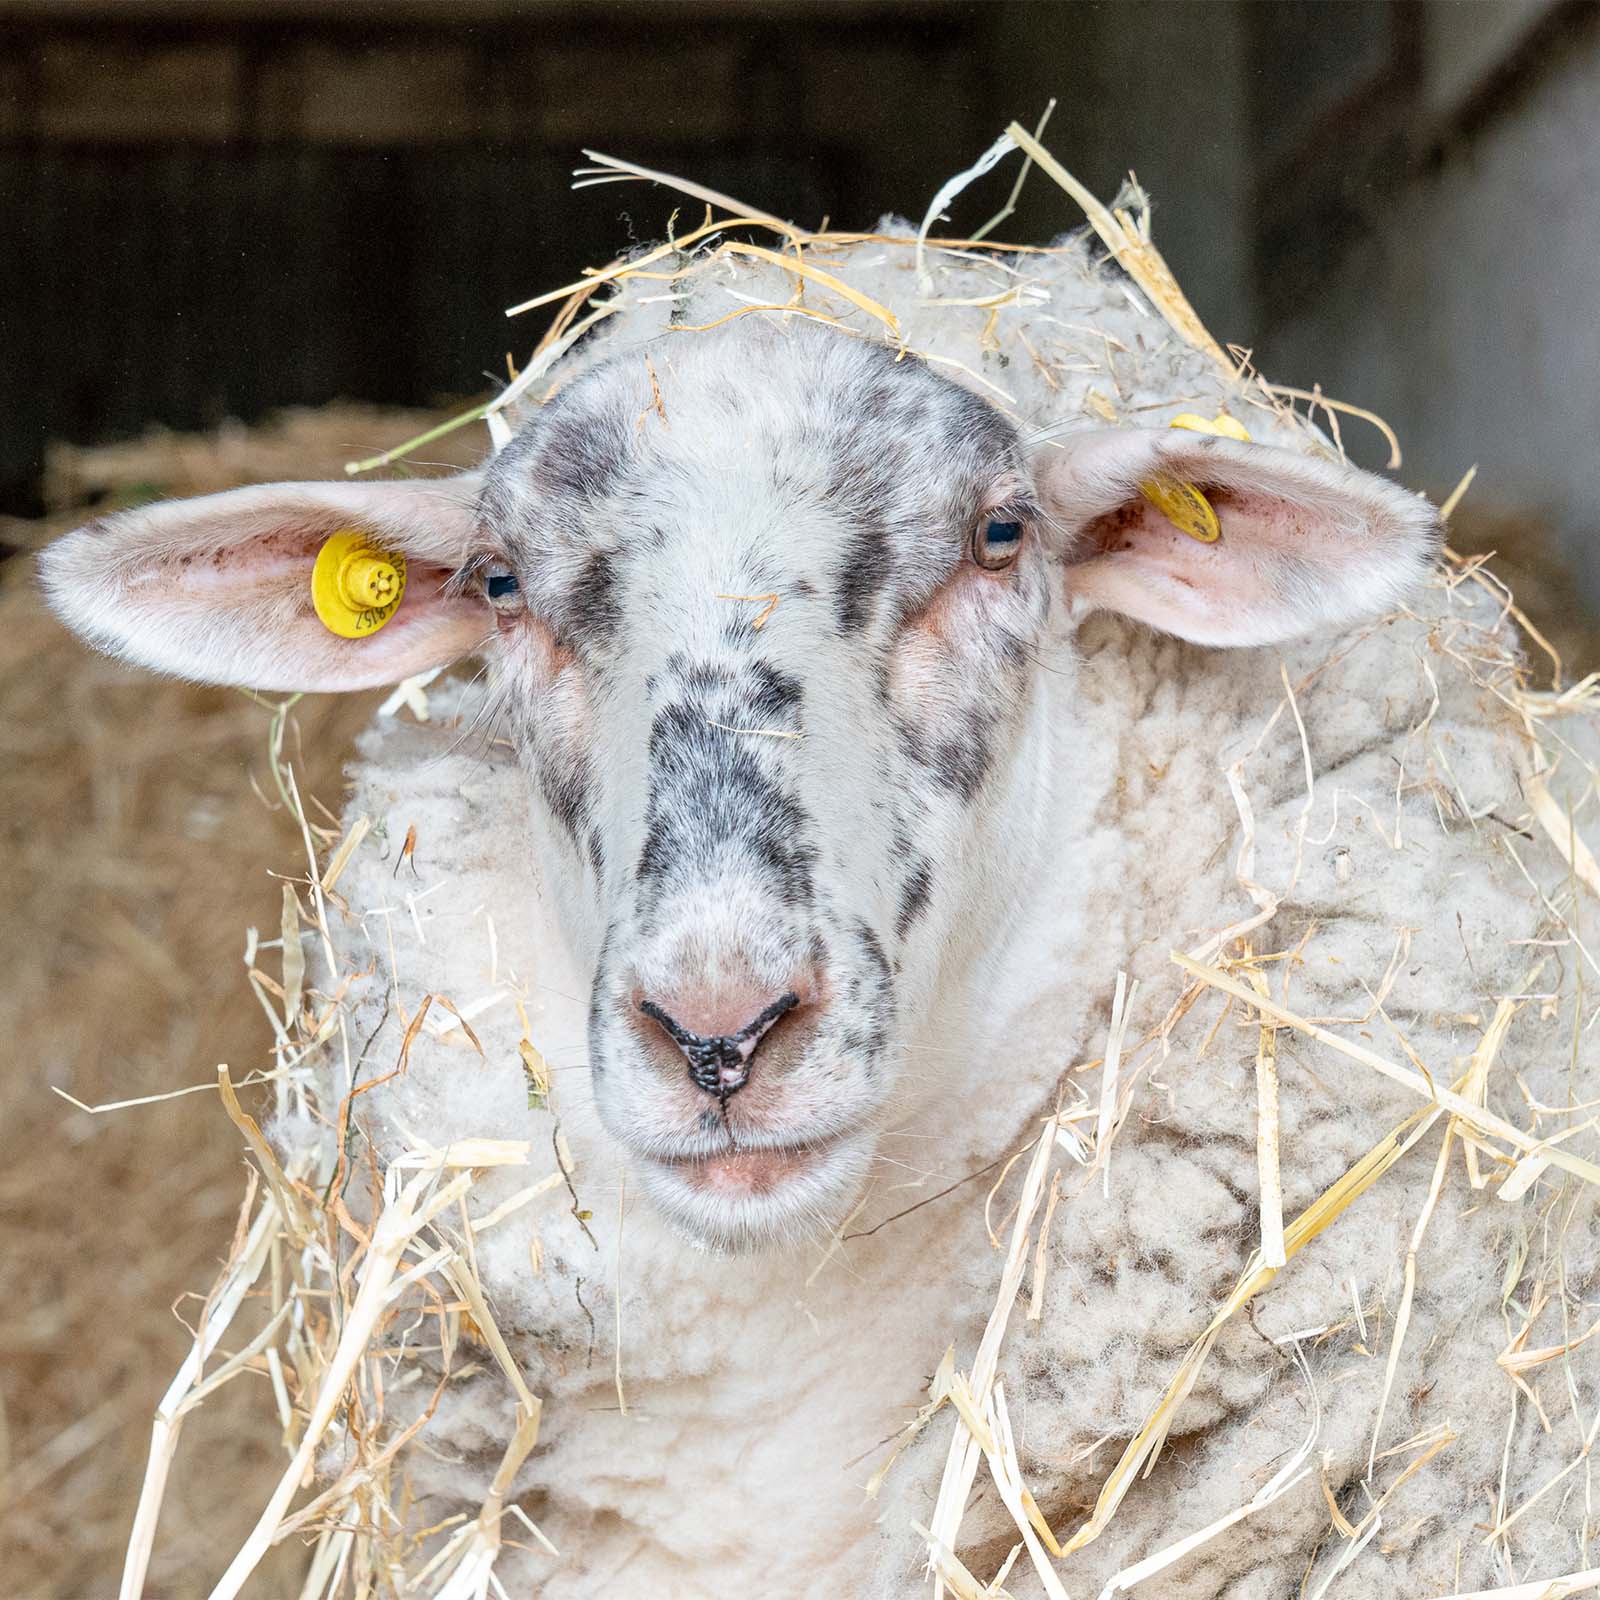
<point x="719" y="1053"/>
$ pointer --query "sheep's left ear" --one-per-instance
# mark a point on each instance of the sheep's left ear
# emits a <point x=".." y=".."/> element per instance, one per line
<point x="1297" y="544"/>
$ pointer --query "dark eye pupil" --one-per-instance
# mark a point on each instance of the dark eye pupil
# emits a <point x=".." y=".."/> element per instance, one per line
<point x="500" y="585"/>
<point x="1002" y="533"/>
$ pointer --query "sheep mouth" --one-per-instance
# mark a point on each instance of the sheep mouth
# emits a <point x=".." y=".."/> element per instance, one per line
<point x="738" y="1172"/>
<point x="741" y="1200"/>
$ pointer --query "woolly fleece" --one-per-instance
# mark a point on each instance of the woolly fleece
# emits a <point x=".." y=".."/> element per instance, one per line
<point x="762" y="1392"/>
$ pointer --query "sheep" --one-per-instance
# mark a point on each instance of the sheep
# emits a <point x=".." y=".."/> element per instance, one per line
<point x="869" y="701"/>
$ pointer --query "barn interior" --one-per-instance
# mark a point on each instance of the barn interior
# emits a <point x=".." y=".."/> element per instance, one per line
<point x="252" y="239"/>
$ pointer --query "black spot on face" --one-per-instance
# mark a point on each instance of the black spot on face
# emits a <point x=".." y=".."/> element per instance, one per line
<point x="564" y="781"/>
<point x="580" y="450"/>
<point x="865" y="572"/>
<point x="914" y="895"/>
<point x="776" y="695"/>
<point x="872" y="949"/>
<point x="707" y="791"/>
<point x="593" y="611"/>
<point x="959" y="758"/>
<point x="868" y="1036"/>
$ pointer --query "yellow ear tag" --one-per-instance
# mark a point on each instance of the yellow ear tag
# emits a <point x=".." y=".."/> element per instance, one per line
<point x="356" y="586"/>
<point x="1181" y="503"/>
<point x="1224" y="426"/>
<point x="1183" y="506"/>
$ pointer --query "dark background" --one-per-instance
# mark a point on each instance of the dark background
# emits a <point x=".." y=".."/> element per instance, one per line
<point x="214" y="207"/>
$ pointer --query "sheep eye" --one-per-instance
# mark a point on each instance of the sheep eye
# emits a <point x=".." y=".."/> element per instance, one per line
<point x="995" y="543"/>
<point x="500" y="585"/>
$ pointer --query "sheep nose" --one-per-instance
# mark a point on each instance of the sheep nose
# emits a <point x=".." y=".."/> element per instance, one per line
<point x="719" y="1063"/>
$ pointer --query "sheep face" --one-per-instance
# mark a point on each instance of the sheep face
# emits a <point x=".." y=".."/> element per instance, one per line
<point x="780" y="621"/>
<point x="766" y="616"/>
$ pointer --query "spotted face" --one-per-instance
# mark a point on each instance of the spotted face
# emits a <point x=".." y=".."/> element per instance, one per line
<point x="780" y="621"/>
<point x="763" y="645"/>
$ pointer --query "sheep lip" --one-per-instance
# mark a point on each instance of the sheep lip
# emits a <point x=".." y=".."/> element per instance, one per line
<point x="777" y="1196"/>
<point x="739" y="1172"/>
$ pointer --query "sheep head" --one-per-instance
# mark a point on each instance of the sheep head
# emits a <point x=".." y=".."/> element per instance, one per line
<point x="766" y="611"/>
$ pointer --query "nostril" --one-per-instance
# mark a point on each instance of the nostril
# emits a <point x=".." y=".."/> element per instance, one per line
<point x="756" y="1029"/>
<point x="720" y="1063"/>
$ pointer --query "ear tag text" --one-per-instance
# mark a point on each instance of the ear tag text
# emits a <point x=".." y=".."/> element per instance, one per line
<point x="356" y="586"/>
<point x="1183" y="505"/>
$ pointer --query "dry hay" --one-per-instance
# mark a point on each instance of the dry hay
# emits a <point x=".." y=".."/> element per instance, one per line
<point x="319" y="1302"/>
<point x="137" y="846"/>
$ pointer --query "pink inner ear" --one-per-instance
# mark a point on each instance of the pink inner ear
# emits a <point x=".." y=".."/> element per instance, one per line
<point x="1268" y="521"/>
<point x="1305" y="543"/>
<point x="1141" y="563"/>
<point x="219" y="589"/>
<point x="276" y="565"/>
<point x="271" y="563"/>
<point x="270" y="574"/>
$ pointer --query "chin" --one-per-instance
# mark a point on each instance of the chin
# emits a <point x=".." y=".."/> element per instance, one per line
<point x="742" y="1202"/>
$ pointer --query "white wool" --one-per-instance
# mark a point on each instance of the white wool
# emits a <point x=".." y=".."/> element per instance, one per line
<point x="761" y="1392"/>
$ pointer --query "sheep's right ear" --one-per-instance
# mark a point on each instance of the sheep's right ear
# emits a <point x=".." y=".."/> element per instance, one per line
<point x="218" y="589"/>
